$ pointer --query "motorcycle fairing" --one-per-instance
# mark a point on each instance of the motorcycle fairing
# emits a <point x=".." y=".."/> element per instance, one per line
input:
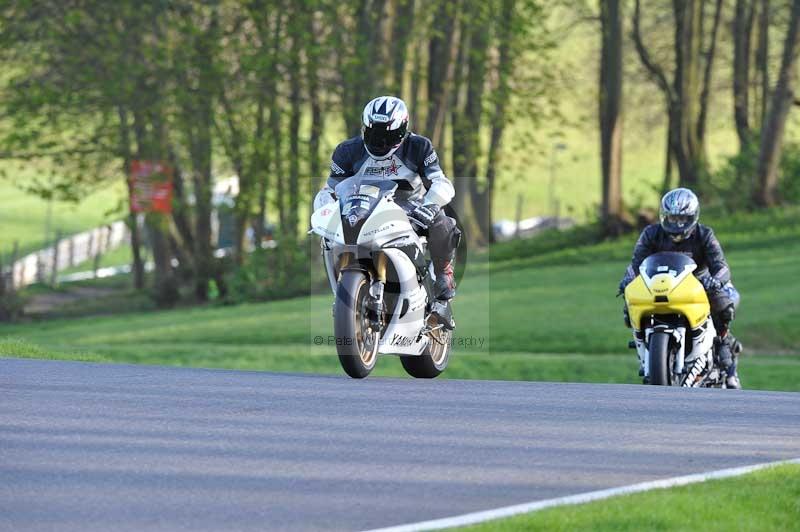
<point x="327" y="223"/>
<point x="667" y="294"/>
<point x="365" y="222"/>
<point x="402" y="334"/>
<point x="666" y="297"/>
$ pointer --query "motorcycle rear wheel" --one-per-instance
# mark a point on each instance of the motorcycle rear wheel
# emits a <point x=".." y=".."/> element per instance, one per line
<point x="356" y="340"/>
<point x="434" y="359"/>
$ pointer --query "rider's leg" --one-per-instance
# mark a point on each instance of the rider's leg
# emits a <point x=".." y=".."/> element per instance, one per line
<point x="443" y="238"/>
<point x="723" y="309"/>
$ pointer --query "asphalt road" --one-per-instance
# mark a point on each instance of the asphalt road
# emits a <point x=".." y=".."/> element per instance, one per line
<point x="116" y="447"/>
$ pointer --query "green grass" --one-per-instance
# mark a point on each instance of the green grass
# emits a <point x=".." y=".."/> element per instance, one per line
<point x="764" y="500"/>
<point x="23" y="216"/>
<point x="116" y="257"/>
<point x="549" y="315"/>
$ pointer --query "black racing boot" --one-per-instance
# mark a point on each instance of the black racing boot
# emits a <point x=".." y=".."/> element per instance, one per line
<point x="728" y="348"/>
<point x="444" y="314"/>
<point x="444" y="289"/>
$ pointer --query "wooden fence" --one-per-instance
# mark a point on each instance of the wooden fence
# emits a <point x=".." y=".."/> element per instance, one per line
<point x="43" y="266"/>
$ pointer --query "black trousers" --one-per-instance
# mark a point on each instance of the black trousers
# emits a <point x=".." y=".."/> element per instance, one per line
<point x="724" y="303"/>
<point x="443" y="238"/>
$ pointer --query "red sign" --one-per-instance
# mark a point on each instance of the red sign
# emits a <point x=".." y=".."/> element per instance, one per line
<point x="151" y="186"/>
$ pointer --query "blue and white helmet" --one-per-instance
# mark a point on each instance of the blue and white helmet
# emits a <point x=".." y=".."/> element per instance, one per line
<point x="384" y="125"/>
<point x="680" y="211"/>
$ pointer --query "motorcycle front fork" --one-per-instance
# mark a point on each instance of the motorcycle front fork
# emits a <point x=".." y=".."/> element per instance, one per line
<point x="376" y="304"/>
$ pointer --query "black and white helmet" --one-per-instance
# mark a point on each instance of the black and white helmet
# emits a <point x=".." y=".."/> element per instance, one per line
<point x="680" y="211"/>
<point x="384" y="125"/>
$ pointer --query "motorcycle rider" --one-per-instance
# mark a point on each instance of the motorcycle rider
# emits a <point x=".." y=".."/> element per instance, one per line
<point x="387" y="149"/>
<point x="679" y="231"/>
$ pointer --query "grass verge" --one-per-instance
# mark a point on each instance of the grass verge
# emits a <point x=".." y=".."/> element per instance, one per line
<point x="552" y="300"/>
<point x="764" y="500"/>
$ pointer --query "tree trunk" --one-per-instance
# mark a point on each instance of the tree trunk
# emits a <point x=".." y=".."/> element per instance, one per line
<point x="403" y="23"/>
<point x="295" y="101"/>
<point x="136" y="250"/>
<point x="683" y="94"/>
<point x="775" y="124"/>
<point x="314" y="96"/>
<point x="690" y="148"/>
<point x="166" y="286"/>
<point x="477" y="53"/>
<point x="417" y="70"/>
<point x="364" y="75"/>
<point x="233" y="140"/>
<point x="707" y="72"/>
<point x="199" y="122"/>
<point x="666" y="185"/>
<point x="610" y="114"/>
<point x="762" y="61"/>
<point x="442" y="50"/>
<point x="165" y="290"/>
<point x="505" y="64"/>
<point x="460" y="125"/>
<point x="742" y="34"/>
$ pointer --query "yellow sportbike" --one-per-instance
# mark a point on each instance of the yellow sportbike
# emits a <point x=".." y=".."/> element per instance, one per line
<point x="673" y="332"/>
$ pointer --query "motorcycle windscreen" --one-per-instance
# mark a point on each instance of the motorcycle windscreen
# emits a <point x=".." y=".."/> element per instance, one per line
<point x="671" y="263"/>
<point x="359" y="195"/>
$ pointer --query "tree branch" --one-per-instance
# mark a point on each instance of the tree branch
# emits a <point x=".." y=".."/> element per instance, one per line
<point x="701" y="119"/>
<point x="59" y="153"/>
<point x="655" y="70"/>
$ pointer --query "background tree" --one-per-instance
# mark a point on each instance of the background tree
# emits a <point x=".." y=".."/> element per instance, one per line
<point x="781" y="101"/>
<point x="610" y="114"/>
<point x="687" y="95"/>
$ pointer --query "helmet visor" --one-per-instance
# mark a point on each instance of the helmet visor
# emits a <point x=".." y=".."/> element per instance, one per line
<point x="380" y="140"/>
<point x="679" y="220"/>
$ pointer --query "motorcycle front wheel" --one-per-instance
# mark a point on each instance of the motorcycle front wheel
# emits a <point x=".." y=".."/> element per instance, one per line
<point x="356" y="339"/>
<point x="660" y="370"/>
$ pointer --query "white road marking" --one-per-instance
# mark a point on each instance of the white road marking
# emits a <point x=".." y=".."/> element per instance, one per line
<point x="534" y="506"/>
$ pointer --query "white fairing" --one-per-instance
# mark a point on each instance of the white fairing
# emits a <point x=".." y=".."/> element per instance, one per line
<point x="704" y="343"/>
<point x="387" y="224"/>
<point x="402" y="334"/>
<point x="702" y="346"/>
<point x="327" y="223"/>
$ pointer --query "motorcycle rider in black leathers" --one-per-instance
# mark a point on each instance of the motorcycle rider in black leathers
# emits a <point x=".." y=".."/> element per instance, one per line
<point x="679" y="231"/>
<point x="387" y="149"/>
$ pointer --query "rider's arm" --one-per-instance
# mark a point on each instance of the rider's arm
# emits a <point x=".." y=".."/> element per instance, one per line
<point x="642" y="250"/>
<point x="440" y="189"/>
<point x="717" y="265"/>
<point x="340" y="166"/>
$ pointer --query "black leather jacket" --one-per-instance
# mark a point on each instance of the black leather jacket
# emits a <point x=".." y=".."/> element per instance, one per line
<point x="703" y="247"/>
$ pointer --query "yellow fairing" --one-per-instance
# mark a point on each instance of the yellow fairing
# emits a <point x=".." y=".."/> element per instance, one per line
<point x="687" y="297"/>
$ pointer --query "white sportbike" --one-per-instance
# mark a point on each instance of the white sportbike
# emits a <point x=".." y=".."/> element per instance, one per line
<point x="382" y="281"/>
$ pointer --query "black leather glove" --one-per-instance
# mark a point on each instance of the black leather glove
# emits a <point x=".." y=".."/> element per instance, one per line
<point x="622" y="286"/>
<point x="423" y="215"/>
<point x="711" y="284"/>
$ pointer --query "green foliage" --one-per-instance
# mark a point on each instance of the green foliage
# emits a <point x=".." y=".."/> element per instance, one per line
<point x="789" y="186"/>
<point x="548" y="241"/>
<point x="282" y="272"/>
<point x="11" y="306"/>
<point x="731" y="187"/>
